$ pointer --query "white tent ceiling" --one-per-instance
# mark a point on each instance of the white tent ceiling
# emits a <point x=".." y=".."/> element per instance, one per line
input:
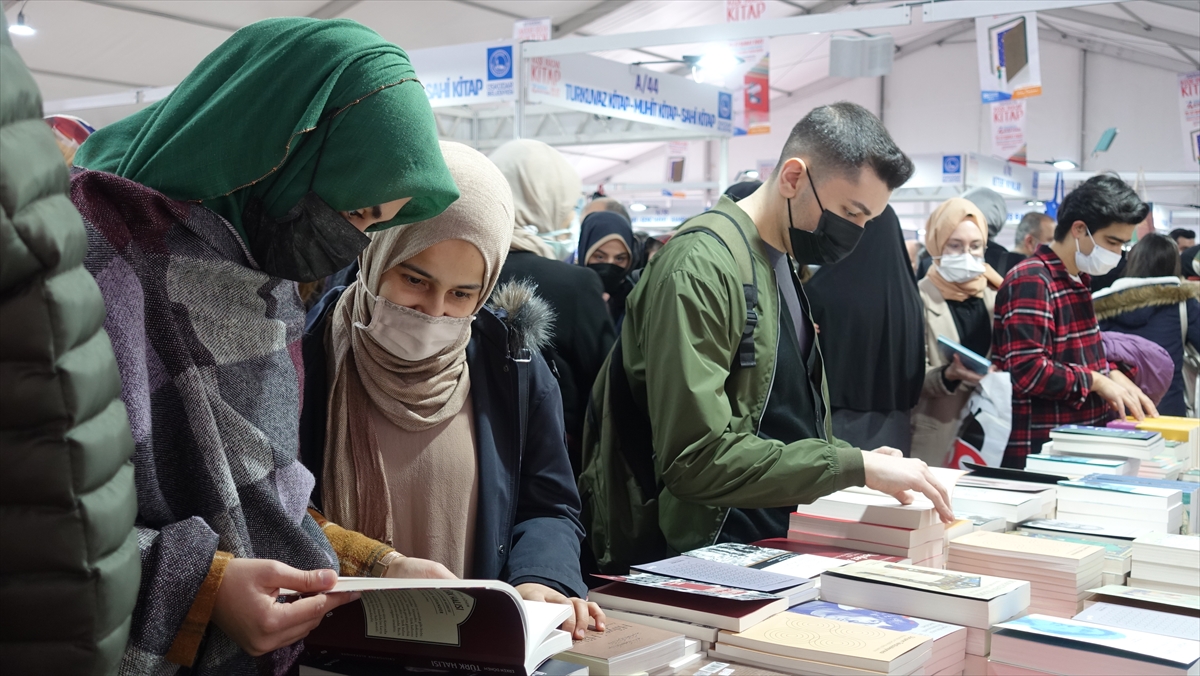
<point x="91" y="47"/>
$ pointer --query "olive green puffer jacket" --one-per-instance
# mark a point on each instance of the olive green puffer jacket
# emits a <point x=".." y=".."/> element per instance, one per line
<point x="69" y="567"/>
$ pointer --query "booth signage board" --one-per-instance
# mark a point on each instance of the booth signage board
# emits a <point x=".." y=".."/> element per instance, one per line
<point x="752" y="78"/>
<point x="1010" y="64"/>
<point x="935" y="171"/>
<point x="1007" y="178"/>
<point x="1008" y="130"/>
<point x="595" y="85"/>
<point x="532" y="30"/>
<point x="480" y="72"/>
<point x="1189" y="112"/>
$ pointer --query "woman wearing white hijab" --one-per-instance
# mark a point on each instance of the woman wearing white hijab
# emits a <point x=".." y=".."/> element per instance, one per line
<point x="444" y="431"/>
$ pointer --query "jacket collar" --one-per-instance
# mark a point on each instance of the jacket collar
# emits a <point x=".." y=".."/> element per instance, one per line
<point x="1058" y="269"/>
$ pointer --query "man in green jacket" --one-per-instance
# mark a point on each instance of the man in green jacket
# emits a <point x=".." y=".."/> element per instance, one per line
<point x="737" y="446"/>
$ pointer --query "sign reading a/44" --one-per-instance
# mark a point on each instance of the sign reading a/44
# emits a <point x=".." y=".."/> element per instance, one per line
<point x="646" y="84"/>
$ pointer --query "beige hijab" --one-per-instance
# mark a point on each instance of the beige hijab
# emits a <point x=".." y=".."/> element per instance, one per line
<point x="941" y="225"/>
<point x="545" y="190"/>
<point x="413" y="395"/>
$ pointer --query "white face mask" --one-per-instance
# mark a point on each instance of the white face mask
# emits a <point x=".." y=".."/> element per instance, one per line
<point x="1100" y="261"/>
<point x="411" y="335"/>
<point x="961" y="267"/>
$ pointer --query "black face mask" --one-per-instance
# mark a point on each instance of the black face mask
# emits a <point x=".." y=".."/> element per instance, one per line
<point x="614" y="278"/>
<point x="310" y="242"/>
<point x="833" y="240"/>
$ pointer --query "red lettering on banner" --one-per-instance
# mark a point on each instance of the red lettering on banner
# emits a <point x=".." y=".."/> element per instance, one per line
<point x="744" y="10"/>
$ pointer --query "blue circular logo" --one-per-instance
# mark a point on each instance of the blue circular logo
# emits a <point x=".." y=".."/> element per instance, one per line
<point x="499" y="63"/>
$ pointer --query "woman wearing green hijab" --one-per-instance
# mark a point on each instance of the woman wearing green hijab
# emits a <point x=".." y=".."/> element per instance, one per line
<point x="263" y="168"/>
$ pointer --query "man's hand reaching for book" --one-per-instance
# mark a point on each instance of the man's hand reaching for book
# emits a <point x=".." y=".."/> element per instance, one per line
<point x="888" y="471"/>
<point x="584" y="611"/>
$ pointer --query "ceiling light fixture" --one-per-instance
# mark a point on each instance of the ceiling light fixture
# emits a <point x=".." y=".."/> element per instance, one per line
<point x="20" y="27"/>
<point x="637" y="206"/>
<point x="713" y="66"/>
<point x="1061" y="165"/>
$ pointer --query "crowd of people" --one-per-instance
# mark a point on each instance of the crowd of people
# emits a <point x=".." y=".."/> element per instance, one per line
<point x="300" y="337"/>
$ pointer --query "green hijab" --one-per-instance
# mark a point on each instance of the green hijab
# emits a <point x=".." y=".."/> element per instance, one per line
<point x="251" y="119"/>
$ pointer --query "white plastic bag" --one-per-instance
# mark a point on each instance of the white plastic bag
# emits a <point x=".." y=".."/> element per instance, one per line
<point x="986" y="423"/>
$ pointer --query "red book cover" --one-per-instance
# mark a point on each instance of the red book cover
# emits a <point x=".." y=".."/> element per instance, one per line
<point x="828" y="552"/>
<point x="705" y="604"/>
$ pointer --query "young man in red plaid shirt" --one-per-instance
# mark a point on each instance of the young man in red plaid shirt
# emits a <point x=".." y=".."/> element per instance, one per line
<point x="1046" y="334"/>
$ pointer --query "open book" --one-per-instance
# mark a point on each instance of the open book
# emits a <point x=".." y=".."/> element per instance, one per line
<point x="457" y="625"/>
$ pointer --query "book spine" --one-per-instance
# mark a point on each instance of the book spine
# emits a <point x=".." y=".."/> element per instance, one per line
<point x="348" y="659"/>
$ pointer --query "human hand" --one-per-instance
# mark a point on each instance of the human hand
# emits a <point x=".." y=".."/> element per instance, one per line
<point x="248" y="611"/>
<point x="1123" y="380"/>
<point x="1119" y="397"/>
<point x="531" y="591"/>
<point x="412" y="568"/>
<point x="888" y="473"/>
<point x="956" y="371"/>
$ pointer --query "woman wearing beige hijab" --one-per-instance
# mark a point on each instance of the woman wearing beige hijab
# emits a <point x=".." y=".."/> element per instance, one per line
<point x="959" y="294"/>
<point x="444" y="431"/>
<point x="545" y="192"/>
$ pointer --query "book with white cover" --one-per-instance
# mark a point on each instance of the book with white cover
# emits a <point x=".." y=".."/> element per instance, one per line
<point x="1095" y="532"/>
<point x="1142" y="619"/>
<point x="1049" y="554"/>
<point x="1171" y="523"/>
<point x="699" y="632"/>
<point x="1110" y="493"/>
<point x="1162" y="586"/>
<point x="873" y="508"/>
<point x="1154" y="571"/>
<point x="1066" y="646"/>
<point x="1118" y="558"/>
<point x="958" y="598"/>
<point x="855" y="530"/>
<point x="1075" y="466"/>
<point x="1148" y="598"/>
<point x="1011" y="505"/>
<point x="1169" y="549"/>
<point x="924" y="550"/>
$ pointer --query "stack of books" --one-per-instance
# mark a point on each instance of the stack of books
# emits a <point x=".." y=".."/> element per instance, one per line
<point x="1165" y="562"/>
<point x="1162" y="467"/>
<point x="868" y="521"/>
<point x="1100" y="500"/>
<point x="785" y="557"/>
<point x="1060" y="573"/>
<point x="965" y="524"/>
<point x="1191" y="476"/>
<point x="1054" y="645"/>
<point x="948" y="651"/>
<point x="1118" y="557"/>
<point x="796" y="589"/>
<point x="809" y="644"/>
<point x="1107" y="442"/>
<point x="1184" y="431"/>
<point x="973" y="601"/>
<point x="1134" y="597"/>
<point x="628" y="648"/>
<point x="1190" y="491"/>
<point x="1078" y="466"/>
<point x="1014" y="501"/>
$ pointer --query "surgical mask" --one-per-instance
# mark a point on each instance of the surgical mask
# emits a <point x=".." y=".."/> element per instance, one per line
<point x="310" y="242"/>
<point x="1100" y="261"/>
<point x="410" y="335"/>
<point x="833" y="240"/>
<point x="961" y="267"/>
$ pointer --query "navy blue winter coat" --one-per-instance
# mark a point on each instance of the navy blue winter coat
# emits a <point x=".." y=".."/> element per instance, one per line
<point x="1152" y="312"/>
<point x="527" y="526"/>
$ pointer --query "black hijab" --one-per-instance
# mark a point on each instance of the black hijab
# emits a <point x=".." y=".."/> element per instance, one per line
<point x="872" y="322"/>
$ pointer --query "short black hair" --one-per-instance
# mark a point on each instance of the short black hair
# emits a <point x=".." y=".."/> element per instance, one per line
<point x="1153" y="256"/>
<point x="613" y="205"/>
<point x="1182" y="233"/>
<point x="844" y="137"/>
<point x="1099" y="202"/>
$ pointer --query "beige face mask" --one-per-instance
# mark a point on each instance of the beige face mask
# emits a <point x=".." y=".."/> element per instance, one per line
<point x="411" y="335"/>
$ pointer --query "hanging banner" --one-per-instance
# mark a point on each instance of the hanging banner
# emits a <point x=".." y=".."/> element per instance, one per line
<point x="1010" y="64"/>
<point x="482" y="72"/>
<point x="1008" y="130"/>
<point x="1189" y="112"/>
<point x="532" y="30"/>
<point x="752" y="77"/>
<point x="612" y="89"/>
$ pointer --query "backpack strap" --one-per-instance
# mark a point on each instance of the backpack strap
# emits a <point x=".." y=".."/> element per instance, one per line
<point x="723" y="233"/>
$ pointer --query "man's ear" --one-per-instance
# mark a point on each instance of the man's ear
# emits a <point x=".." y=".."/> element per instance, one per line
<point x="1079" y="229"/>
<point x="791" y="177"/>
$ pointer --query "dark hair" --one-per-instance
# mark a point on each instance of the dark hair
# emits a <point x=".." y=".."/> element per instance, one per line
<point x="844" y="137"/>
<point x="1182" y="233"/>
<point x="1153" y="256"/>
<point x="1099" y="202"/>
<point x="611" y="204"/>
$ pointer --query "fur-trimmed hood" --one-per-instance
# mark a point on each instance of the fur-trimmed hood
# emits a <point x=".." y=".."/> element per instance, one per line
<point x="1139" y="297"/>
<point x="528" y="317"/>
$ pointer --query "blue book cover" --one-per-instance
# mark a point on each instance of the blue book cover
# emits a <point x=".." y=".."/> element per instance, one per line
<point x="875" y="618"/>
<point x="1102" y="482"/>
<point x="1189" y="489"/>
<point x="1109" y="432"/>
<point x="1099" y="638"/>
